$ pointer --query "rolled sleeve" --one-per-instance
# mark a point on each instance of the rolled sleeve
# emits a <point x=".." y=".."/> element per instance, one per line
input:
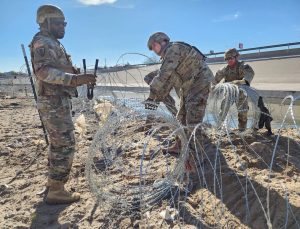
<point x="247" y="73"/>
<point x="44" y="64"/>
<point x="219" y="76"/>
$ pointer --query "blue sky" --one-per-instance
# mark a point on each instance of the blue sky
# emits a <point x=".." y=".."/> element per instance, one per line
<point x="106" y="29"/>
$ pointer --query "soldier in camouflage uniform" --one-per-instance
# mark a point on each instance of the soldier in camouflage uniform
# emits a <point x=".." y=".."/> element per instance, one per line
<point x="168" y="100"/>
<point x="56" y="81"/>
<point x="183" y="67"/>
<point x="240" y="73"/>
<point x="237" y="73"/>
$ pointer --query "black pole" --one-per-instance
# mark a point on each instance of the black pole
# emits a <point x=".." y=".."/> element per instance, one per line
<point x="90" y="88"/>
<point x="33" y="90"/>
<point x="84" y="66"/>
<point x="96" y="67"/>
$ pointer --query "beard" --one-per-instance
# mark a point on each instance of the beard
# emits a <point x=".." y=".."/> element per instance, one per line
<point x="58" y="34"/>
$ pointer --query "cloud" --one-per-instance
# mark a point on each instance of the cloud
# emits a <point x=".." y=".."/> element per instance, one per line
<point x="108" y="2"/>
<point x="229" y="17"/>
<point x="96" y="2"/>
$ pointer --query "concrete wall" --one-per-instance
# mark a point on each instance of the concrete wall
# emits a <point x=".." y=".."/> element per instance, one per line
<point x="259" y="55"/>
<point x="275" y="77"/>
<point x="281" y="76"/>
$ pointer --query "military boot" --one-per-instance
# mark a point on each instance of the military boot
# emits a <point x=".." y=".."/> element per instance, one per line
<point x="242" y="124"/>
<point x="57" y="193"/>
<point x="242" y="128"/>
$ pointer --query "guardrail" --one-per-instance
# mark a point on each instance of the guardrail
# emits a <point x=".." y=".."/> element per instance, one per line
<point x="257" y="48"/>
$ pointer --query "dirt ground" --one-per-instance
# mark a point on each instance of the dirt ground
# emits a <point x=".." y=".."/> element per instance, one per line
<point x="23" y="171"/>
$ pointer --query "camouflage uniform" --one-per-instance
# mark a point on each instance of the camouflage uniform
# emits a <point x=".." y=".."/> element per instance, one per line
<point x="239" y="72"/>
<point x="54" y="71"/>
<point x="184" y="67"/>
<point x="168" y="100"/>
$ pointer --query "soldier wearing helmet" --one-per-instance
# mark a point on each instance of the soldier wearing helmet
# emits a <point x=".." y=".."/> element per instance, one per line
<point x="56" y="81"/>
<point x="231" y="53"/>
<point x="183" y="67"/>
<point x="238" y="73"/>
<point x="49" y="15"/>
<point x="235" y="72"/>
<point x="158" y="39"/>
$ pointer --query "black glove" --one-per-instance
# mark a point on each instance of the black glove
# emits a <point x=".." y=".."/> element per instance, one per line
<point x="151" y="104"/>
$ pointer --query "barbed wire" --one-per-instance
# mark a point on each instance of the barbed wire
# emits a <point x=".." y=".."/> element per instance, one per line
<point x="150" y="177"/>
<point x="131" y="172"/>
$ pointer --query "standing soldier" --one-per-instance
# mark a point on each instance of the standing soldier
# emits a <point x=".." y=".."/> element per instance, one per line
<point x="240" y="73"/>
<point x="183" y="67"/>
<point x="56" y="81"/>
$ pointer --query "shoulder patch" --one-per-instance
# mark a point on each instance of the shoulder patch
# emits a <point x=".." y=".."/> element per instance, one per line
<point x="41" y="51"/>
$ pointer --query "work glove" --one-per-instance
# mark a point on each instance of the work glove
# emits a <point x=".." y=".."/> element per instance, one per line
<point x="151" y="104"/>
<point x="238" y="82"/>
<point x="81" y="79"/>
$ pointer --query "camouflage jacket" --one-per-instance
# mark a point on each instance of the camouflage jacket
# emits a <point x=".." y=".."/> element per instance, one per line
<point x="182" y="66"/>
<point x="239" y="72"/>
<point x="149" y="77"/>
<point x="52" y="66"/>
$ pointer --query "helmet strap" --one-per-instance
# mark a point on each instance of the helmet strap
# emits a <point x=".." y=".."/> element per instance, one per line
<point x="163" y="45"/>
<point x="48" y="24"/>
<point x="45" y="26"/>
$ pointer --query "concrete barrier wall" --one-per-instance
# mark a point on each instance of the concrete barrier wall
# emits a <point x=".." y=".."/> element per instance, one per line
<point x="278" y="75"/>
<point x="259" y="55"/>
<point x="273" y="77"/>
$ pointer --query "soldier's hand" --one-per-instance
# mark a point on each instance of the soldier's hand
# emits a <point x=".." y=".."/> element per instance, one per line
<point x="82" y="79"/>
<point x="239" y="82"/>
<point x="151" y="104"/>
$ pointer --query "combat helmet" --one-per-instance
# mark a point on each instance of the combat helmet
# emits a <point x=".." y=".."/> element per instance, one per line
<point x="231" y="53"/>
<point x="157" y="37"/>
<point x="48" y="11"/>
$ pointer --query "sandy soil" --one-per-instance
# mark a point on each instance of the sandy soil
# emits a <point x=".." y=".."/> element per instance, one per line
<point x="23" y="170"/>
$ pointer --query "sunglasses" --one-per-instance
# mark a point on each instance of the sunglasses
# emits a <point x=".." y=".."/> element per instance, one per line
<point x="59" y="23"/>
<point x="230" y="58"/>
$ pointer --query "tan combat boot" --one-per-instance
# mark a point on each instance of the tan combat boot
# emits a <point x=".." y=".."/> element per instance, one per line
<point x="59" y="195"/>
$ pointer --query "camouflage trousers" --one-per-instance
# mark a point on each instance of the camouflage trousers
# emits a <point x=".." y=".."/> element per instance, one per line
<point x="170" y="104"/>
<point x="55" y="112"/>
<point x="242" y="108"/>
<point x="191" y="113"/>
<point x="192" y="105"/>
